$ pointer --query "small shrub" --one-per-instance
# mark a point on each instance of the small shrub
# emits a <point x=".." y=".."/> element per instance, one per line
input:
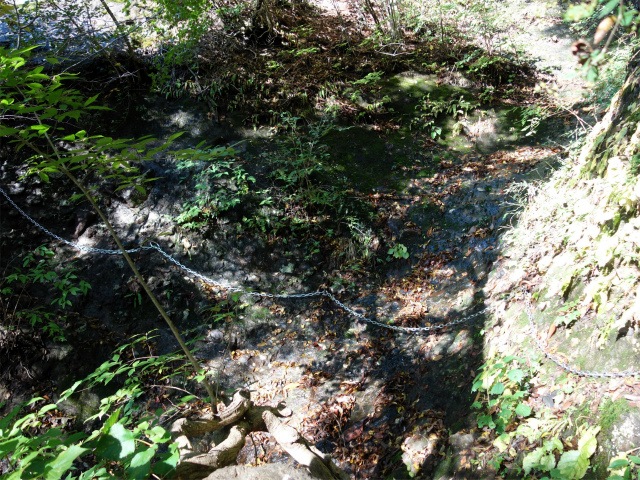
<point x="40" y="268"/>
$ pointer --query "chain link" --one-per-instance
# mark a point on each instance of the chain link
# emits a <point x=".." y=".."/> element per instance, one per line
<point x="71" y="244"/>
<point x="229" y="288"/>
<point x="555" y="359"/>
<point x="323" y="293"/>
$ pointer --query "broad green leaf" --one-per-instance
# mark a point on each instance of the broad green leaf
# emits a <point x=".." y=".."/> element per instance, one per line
<point x="54" y="96"/>
<point x="15" y="475"/>
<point x="539" y="460"/>
<point x="547" y="462"/>
<point x="63" y="462"/>
<point x="22" y="109"/>
<point x="49" y="113"/>
<point x="619" y="463"/>
<point x="167" y="463"/>
<point x="73" y="438"/>
<point x="158" y="434"/>
<point x="523" y="410"/>
<point x="501" y="442"/>
<point x="486" y="421"/>
<point x="111" y="421"/>
<point x="516" y="375"/>
<point x="8" y="446"/>
<point x="174" y="136"/>
<point x="553" y="444"/>
<point x="70" y="391"/>
<point x="608" y="8"/>
<point x="497" y="389"/>
<point x="5" y="131"/>
<point x="628" y="18"/>
<point x="46" y="408"/>
<point x="573" y="465"/>
<point x="634" y="459"/>
<point x="117" y="444"/>
<point x="90" y="100"/>
<point x="587" y="443"/>
<point x="97" y="472"/>
<point x="25" y="462"/>
<point x="75" y="114"/>
<point x="141" y="462"/>
<point x="575" y="13"/>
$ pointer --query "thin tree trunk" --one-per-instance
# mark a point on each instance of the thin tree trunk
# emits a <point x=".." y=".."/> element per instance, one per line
<point x="132" y="265"/>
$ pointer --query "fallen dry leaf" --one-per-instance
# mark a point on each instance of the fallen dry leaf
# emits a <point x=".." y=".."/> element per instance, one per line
<point x="354" y="432"/>
<point x="617" y="394"/>
<point x="291" y="386"/>
<point x="551" y="331"/>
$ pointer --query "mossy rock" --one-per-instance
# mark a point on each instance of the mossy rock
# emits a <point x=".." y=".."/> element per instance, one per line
<point x="620" y="432"/>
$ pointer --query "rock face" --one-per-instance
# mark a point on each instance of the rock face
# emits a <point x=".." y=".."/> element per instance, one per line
<point x="621" y="438"/>
<point x="263" y="472"/>
<point x="625" y="434"/>
<point x="618" y="134"/>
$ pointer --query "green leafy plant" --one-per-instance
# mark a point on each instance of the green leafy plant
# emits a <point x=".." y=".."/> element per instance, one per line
<point x="370" y="78"/>
<point x="220" y="186"/>
<point x="398" y="251"/>
<point x="624" y="467"/>
<point x="39" y="267"/>
<point x="131" y="441"/>
<point x="304" y="51"/>
<point x="568" y="313"/>
<point x="501" y="387"/>
<point x="572" y="464"/>
<point x="36" y="114"/>
<point x="428" y="111"/>
<point x="531" y="117"/>
<point x="612" y="15"/>
<point x="299" y="172"/>
<point x="635" y="166"/>
<point x="487" y="95"/>
<point x="227" y="310"/>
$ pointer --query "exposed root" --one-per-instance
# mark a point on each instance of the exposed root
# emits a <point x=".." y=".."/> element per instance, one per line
<point x="243" y="418"/>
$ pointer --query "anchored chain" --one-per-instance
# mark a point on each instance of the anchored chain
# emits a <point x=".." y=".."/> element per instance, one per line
<point x="71" y="244"/>
<point x="205" y="279"/>
<point x="323" y="293"/>
<point x="555" y="359"/>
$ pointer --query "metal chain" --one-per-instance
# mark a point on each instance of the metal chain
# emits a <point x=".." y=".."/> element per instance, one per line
<point x="555" y="359"/>
<point x="405" y="329"/>
<point x="321" y="293"/>
<point x="71" y="244"/>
